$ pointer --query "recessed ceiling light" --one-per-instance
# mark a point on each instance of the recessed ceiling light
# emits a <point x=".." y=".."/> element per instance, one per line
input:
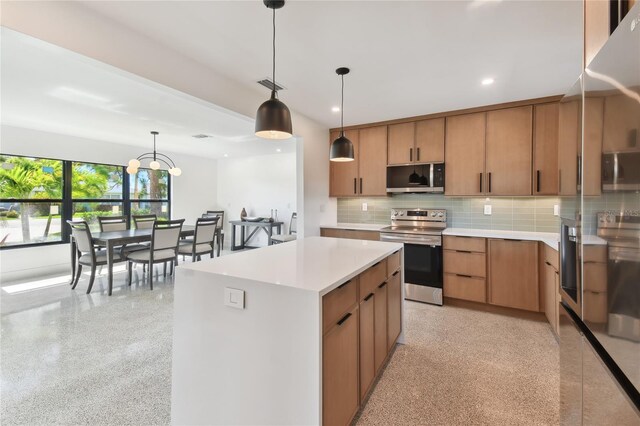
<point x="335" y="109"/>
<point x="226" y="155"/>
<point x="278" y="150"/>
<point x="487" y="81"/>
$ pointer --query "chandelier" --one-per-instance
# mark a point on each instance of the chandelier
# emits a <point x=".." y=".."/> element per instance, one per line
<point x="156" y="158"/>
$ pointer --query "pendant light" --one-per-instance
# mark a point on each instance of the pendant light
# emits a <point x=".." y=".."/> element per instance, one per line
<point x="342" y="148"/>
<point x="273" y="119"/>
<point x="156" y="158"/>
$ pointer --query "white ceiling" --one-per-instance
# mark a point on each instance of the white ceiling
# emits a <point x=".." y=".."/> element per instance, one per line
<point x="407" y="57"/>
<point x="51" y="89"/>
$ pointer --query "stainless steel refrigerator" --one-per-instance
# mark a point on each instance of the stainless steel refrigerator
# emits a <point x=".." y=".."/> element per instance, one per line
<point x="600" y="236"/>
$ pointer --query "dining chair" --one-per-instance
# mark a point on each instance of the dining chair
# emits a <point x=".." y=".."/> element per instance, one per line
<point x="293" y="229"/>
<point x="88" y="255"/>
<point x="119" y="223"/>
<point x="165" y="237"/>
<point x="144" y="221"/>
<point x="203" y="239"/>
<point x="220" y="229"/>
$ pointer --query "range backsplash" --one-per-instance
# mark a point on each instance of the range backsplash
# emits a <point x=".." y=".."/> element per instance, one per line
<point x="517" y="213"/>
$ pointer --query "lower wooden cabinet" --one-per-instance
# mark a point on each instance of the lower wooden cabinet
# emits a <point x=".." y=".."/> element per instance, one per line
<point x="351" y="234"/>
<point x="367" y="348"/>
<point x="513" y="274"/>
<point x="394" y="307"/>
<point x="550" y="282"/>
<point x="380" y="324"/>
<point x="465" y="287"/>
<point x="340" y="388"/>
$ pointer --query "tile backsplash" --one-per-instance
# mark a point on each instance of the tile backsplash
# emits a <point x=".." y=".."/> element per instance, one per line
<point x="518" y="213"/>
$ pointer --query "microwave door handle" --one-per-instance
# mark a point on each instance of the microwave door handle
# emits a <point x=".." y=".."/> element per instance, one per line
<point x="431" y="166"/>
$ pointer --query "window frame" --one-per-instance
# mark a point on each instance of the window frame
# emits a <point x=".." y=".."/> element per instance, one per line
<point x="67" y="200"/>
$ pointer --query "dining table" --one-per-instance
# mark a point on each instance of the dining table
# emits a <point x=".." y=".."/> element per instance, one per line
<point x="112" y="239"/>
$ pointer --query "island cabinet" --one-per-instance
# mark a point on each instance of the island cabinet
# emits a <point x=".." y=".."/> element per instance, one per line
<point x="513" y="274"/>
<point x="354" y="234"/>
<point x="416" y="142"/>
<point x="361" y="324"/>
<point x="367" y="174"/>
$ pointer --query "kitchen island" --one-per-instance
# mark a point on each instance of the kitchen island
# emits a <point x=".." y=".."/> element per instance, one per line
<point x="288" y="334"/>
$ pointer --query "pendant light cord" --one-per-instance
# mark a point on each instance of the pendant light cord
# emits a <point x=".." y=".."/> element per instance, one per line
<point x="154" y="147"/>
<point x="342" y="107"/>
<point x="274" y="52"/>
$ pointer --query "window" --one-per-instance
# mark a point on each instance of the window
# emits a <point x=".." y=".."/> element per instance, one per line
<point x="96" y="190"/>
<point x="30" y="200"/>
<point x="149" y="193"/>
<point x="37" y="196"/>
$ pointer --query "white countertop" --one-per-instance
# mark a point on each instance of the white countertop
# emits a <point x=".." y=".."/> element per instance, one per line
<point x="356" y="226"/>
<point x="315" y="264"/>
<point x="549" y="238"/>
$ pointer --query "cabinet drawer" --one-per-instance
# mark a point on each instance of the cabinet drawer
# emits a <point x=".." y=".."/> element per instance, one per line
<point x="551" y="256"/>
<point x="464" y="243"/>
<point x="473" y="264"/>
<point x="595" y="254"/>
<point x="465" y="287"/>
<point x="595" y="277"/>
<point x="594" y="306"/>
<point x="372" y="278"/>
<point x="393" y="263"/>
<point x="338" y="302"/>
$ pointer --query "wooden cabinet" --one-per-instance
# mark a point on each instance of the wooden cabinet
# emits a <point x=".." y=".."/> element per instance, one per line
<point x="416" y="142"/>
<point x="394" y="307"/>
<point x="594" y="281"/>
<point x="367" y="348"/>
<point x="621" y="124"/>
<point x="569" y="129"/>
<point x="545" y="149"/>
<point x="508" y="151"/>
<point x="380" y="325"/>
<point x="372" y="165"/>
<point x="550" y="284"/>
<point x="351" y="234"/>
<point x="343" y="175"/>
<point x="336" y="303"/>
<point x="340" y="388"/>
<point x="366" y="175"/>
<point x="464" y="154"/>
<point x="465" y="268"/>
<point x="402" y="143"/>
<point x="596" y="27"/>
<point x="513" y="274"/>
<point x="592" y="146"/>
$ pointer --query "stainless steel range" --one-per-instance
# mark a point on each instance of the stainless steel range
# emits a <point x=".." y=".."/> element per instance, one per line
<point x="421" y="232"/>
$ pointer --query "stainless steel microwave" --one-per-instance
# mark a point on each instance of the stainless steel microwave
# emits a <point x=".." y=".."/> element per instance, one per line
<point x="621" y="171"/>
<point x="416" y="178"/>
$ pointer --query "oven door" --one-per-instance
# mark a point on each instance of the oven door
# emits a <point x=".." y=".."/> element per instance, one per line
<point x="423" y="273"/>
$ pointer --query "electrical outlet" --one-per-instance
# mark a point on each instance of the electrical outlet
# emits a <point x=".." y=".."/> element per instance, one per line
<point x="365" y="207"/>
<point x="556" y="210"/>
<point x="487" y="209"/>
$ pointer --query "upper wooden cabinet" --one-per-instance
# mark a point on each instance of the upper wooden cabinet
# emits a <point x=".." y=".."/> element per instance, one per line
<point x="366" y="175"/>
<point x="592" y="146"/>
<point x="464" y="154"/>
<point x="569" y="113"/>
<point x="343" y="175"/>
<point x="508" y="151"/>
<point x="621" y="124"/>
<point x="545" y="149"/>
<point x="416" y="142"/>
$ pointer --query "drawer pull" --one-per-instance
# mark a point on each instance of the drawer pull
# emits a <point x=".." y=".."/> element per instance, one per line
<point x="375" y="264"/>
<point x="547" y="263"/>
<point x="463" y="251"/>
<point x="344" y="284"/>
<point x="344" y="318"/>
<point x="368" y="297"/>
<point x="396" y="273"/>
<point x="382" y="285"/>
<point x="464" y="276"/>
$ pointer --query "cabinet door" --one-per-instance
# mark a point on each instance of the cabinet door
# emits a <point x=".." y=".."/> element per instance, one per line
<point x="513" y="274"/>
<point x="550" y="292"/>
<point x="373" y="161"/>
<point x="592" y="156"/>
<point x="464" y="154"/>
<point x="340" y="390"/>
<point x="621" y="124"/>
<point x="394" y="318"/>
<point x="508" y="152"/>
<point x="545" y="149"/>
<point x="380" y="325"/>
<point x="367" y="348"/>
<point x="401" y="146"/>
<point x="343" y="175"/>
<point x="430" y="141"/>
<point x="568" y="146"/>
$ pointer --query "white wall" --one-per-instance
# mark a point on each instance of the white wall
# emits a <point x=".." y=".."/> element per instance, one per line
<point x="258" y="184"/>
<point x="192" y="193"/>
<point x="72" y="26"/>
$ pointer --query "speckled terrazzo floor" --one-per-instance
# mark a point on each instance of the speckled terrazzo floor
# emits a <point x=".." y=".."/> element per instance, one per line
<point x="69" y="358"/>
<point x="467" y="367"/>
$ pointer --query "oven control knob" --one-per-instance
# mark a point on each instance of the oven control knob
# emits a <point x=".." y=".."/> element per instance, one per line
<point x="433" y="214"/>
<point x="440" y="214"/>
